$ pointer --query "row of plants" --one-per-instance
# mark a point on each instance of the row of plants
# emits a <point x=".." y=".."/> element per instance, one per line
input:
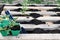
<point x="25" y="2"/>
<point x="9" y="26"/>
<point x="33" y="1"/>
<point x="29" y="1"/>
<point x="8" y="1"/>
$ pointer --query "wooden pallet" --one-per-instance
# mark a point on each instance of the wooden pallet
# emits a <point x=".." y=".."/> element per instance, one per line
<point x="46" y="15"/>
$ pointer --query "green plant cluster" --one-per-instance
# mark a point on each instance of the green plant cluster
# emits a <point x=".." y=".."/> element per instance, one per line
<point x="25" y="2"/>
<point x="6" y="25"/>
<point x="8" y="1"/>
<point x="57" y="1"/>
<point x="35" y="1"/>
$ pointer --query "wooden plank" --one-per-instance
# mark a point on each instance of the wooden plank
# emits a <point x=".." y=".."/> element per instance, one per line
<point x="44" y="26"/>
<point x="48" y="18"/>
<point x="40" y="8"/>
<point x="34" y="37"/>
<point x="29" y="12"/>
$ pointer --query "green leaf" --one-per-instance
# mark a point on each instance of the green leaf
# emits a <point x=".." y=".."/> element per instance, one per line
<point x="1" y="28"/>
